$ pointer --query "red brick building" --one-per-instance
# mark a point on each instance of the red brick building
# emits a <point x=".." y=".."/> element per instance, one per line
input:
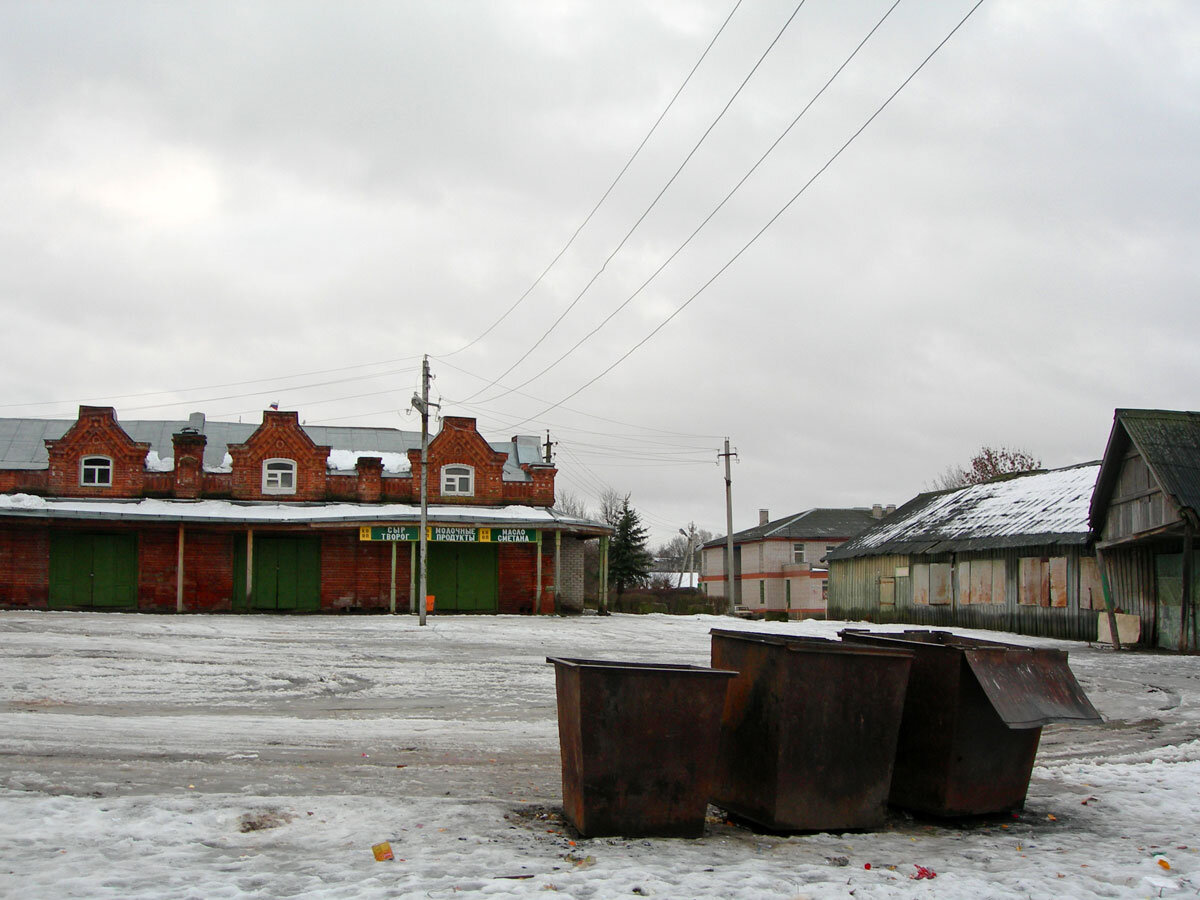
<point x="195" y="516"/>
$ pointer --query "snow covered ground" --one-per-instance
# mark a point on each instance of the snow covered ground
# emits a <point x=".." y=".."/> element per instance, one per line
<point x="210" y="757"/>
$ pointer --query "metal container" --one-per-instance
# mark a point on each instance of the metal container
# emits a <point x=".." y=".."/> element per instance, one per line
<point x="808" y="736"/>
<point x="639" y="744"/>
<point x="973" y="719"/>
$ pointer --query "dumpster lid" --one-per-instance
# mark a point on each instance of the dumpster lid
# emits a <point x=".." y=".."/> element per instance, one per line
<point x="803" y="643"/>
<point x="1030" y="688"/>
<point x="680" y="668"/>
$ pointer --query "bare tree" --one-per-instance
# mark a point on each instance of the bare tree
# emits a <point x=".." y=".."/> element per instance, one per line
<point x="612" y="505"/>
<point x="988" y="463"/>
<point x="571" y="505"/>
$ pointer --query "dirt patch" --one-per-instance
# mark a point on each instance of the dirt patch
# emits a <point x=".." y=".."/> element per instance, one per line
<point x="262" y="819"/>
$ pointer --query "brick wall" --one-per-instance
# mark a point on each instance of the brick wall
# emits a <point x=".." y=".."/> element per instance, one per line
<point x="518" y="576"/>
<point x="24" y="566"/>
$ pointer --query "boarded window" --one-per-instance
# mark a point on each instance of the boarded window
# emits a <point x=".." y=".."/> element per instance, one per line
<point x="1058" y="582"/>
<point x="962" y="583"/>
<point x="1035" y="581"/>
<point x="939" y="584"/>
<point x="1091" y="592"/>
<point x="920" y="585"/>
<point x="887" y="591"/>
<point x="981" y="581"/>
<point x="999" y="582"/>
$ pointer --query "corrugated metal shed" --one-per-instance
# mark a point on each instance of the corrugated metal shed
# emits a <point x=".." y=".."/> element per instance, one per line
<point x="1044" y="508"/>
<point x="1169" y="442"/>
<point x="811" y="524"/>
<point x="23" y="441"/>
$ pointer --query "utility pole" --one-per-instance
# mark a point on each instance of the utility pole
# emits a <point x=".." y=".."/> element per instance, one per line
<point x="549" y="448"/>
<point x="728" y="529"/>
<point x="421" y="403"/>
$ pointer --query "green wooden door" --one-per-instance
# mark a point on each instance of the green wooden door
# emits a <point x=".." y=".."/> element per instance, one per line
<point x="93" y="570"/>
<point x="463" y="577"/>
<point x="286" y="576"/>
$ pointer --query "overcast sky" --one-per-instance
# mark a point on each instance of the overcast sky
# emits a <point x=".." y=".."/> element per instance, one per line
<point x="204" y="204"/>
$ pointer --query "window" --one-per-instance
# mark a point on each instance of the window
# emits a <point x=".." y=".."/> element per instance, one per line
<point x="279" y="476"/>
<point x="787" y="592"/>
<point x="797" y="553"/>
<point x="458" y="481"/>
<point x="95" y="471"/>
<point x="762" y="593"/>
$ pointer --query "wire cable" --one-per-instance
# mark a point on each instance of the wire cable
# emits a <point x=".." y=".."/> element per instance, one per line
<point x="653" y="203"/>
<point x="769" y="223"/>
<point x="704" y="222"/>
<point x="604" y="196"/>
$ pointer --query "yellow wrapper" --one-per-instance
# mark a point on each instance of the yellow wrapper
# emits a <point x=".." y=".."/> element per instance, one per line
<point x="382" y="851"/>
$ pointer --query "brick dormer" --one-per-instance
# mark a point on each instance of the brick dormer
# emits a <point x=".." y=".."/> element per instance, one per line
<point x="96" y="458"/>
<point x="463" y="467"/>
<point x="279" y="462"/>
<point x="188" y="447"/>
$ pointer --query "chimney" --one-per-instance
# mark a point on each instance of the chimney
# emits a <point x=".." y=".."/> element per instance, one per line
<point x="764" y="516"/>
<point x="877" y="511"/>
<point x="891" y="508"/>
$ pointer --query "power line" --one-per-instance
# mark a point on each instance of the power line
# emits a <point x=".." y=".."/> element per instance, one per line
<point x="769" y="223"/>
<point x="604" y="196"/>
<point x="214" y="387"/>
<point x="653" y="203"/>
<point x="704" y="222"/>
<point x="464" y="403"/>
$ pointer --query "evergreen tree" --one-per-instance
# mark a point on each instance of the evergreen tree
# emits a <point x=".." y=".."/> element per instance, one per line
<point x="628" y="560"/>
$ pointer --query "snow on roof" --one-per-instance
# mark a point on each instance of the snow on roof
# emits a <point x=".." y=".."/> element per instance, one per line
<point x="285" y="513"/>
<point x="23" y="444"/>
<point x="346" y="460"/>
<point x="1041" y="507"/>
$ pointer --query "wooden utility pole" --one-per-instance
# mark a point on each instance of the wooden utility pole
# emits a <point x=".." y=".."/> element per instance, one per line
<point x="421" y="404"/>
<point x="732" y="602"/>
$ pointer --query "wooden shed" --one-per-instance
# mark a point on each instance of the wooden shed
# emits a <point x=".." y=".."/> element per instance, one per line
<point x="1012" y="554"/>
<point x="1144" y="514"/>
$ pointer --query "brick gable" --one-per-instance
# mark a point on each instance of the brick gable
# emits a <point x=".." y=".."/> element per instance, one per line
<point x="96" y="433"/>
<point x="279" y="437"/>
<point x="459" y="443"/>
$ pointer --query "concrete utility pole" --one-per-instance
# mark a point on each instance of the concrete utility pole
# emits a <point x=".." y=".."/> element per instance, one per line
<point x="421" y="404"/>
<point x="728" y="529"/>
<point x="549" y="448"/>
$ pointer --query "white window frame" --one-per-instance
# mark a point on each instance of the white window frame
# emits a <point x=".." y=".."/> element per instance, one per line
<point x="798" y="554"/>
<point x="97" y="465"/>
<point x="458" y="472"/>
<point x="273" y="472"/>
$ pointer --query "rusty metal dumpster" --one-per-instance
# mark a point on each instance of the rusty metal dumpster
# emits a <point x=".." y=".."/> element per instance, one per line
<point x="808" y="735"/>
<point x="639" y="743"/>
<point x="973" y="719"/>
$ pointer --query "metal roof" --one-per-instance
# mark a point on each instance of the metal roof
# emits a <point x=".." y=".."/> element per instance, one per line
<point x="23" y="441"/>
<point x="1169" y="442"/>
<point x="1031" y="509"/>
<point x="814" y="524"/>
<point x="226" y="512"/>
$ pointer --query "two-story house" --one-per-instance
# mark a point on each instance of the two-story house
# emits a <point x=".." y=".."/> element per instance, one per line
<point x="778" y="566"/>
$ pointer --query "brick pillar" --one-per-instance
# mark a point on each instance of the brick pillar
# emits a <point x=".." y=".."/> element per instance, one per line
<point x="189" y="464"/>
<point x="369" y="486"/>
